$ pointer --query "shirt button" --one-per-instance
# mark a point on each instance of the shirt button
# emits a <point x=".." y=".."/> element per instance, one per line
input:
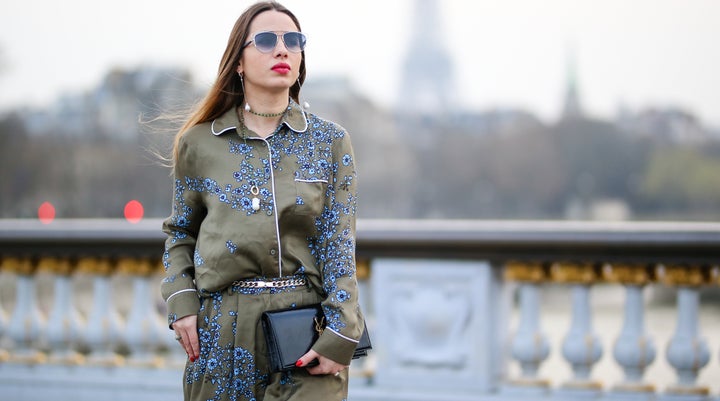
<point x="273" y="252"/>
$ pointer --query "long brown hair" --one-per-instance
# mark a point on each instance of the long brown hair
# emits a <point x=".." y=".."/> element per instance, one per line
<point x="227" y="92"/>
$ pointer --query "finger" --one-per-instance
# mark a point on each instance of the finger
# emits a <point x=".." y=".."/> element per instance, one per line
<point x="184" y="344"/>
<point x="306" y="359"/>
<point x="193" y="345"/>
<point x="326" y="367"/>
<point x="186" y="329"/>
<point x="179" y="338"/>
<point x="183" y="341"/>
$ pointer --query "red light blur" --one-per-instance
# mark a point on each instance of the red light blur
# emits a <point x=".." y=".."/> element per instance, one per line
<point x="46" y="213"/>
<point x="134" y="211"/>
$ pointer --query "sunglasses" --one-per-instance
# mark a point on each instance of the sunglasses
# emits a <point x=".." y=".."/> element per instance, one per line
<point x="265" y="42"/>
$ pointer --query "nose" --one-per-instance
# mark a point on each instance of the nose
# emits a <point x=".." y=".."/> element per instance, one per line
<point x="280" y="48"/>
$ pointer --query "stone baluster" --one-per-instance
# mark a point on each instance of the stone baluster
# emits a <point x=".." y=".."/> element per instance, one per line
<point x="530" y="346"/>
<point x="104" y="327"/>
<point x="581" y="347"/>
<point x="634" y="350"/>
<point x="26" y="322"/>
<point x="4" y="355"/>
<point x="687" y="352"/>
<point x="64" y="327"/>
<point x="143" y="331"/>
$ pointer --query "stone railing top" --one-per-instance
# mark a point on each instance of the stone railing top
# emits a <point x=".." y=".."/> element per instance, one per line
<point x="686" y="242"/>
<point x="521" y="239"/>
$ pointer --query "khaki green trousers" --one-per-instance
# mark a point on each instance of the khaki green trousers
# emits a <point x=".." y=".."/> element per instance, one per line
<point x="233" y="355"/>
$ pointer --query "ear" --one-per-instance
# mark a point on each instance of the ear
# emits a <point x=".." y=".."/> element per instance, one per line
<point x="239" y="68"/>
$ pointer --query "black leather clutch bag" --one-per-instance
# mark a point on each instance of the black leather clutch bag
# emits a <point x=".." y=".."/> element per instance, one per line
<point x="290" y="333"/>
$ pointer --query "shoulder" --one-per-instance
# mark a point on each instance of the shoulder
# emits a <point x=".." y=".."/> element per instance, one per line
<point x="320" y="126"/>
<point x="194" y="142"/>
<point x="197" y="132"/>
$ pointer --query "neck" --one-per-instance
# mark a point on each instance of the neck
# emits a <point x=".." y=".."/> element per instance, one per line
<point x="262" y="126"/>
<point x="267" y="103"/>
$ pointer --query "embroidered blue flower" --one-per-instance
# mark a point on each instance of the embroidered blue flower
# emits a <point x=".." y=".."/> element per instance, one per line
<point x="342" y="296"/>
<point x="198" y="259"/>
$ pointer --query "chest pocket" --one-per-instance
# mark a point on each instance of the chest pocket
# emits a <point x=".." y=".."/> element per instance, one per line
<point x="310" y="196"/>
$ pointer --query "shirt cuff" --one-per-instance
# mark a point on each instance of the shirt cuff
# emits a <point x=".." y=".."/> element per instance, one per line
<point x="181" y="304"/>
<point x="331" y="345"/>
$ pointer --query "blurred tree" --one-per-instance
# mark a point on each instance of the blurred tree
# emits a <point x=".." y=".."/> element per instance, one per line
<point x="682" y="178"/>
<point x="86" y="159"/>
<point x="601" y="160"/>
<point x="13" y="150"/>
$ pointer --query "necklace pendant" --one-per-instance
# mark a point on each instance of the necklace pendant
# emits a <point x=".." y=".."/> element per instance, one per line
<point x="255" y="204"/>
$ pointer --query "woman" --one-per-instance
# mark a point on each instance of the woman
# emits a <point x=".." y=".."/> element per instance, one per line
<point x="263" y="218"/>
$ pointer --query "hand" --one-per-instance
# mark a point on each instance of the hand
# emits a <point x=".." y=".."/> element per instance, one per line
<point x="326" y="366"/>
<point x="186" y="329"/>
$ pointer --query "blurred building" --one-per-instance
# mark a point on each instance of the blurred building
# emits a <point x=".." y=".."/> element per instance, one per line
<point x="115" y="108"/>
<point x="427" y="79"/>
<point x="670" y="124"/>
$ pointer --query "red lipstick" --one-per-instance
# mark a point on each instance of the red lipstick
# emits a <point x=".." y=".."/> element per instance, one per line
<point x="281" y="68"/>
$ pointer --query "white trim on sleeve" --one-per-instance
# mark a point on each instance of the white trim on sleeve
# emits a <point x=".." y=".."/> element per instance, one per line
<point x="178" y="292"/>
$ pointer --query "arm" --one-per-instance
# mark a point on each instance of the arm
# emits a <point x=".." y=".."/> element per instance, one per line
<point x="336" y="258"/>
<point x="178" y="286"/>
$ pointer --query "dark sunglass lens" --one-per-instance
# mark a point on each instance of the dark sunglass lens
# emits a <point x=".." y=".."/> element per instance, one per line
<point x="295" y="41"/>
<point x="265" y="41"/>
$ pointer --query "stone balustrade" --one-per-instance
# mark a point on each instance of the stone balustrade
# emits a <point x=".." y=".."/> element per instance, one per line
<point x="456" y="311"/>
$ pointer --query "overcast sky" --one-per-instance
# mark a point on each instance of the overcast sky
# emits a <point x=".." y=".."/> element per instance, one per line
<point x="506" y="53"/>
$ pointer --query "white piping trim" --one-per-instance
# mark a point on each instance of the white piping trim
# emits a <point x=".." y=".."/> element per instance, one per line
<point x="304" y="115"/>
<point x="342" y="336"/>
<point x="315" y="180"/>
<point x="212" y="128"/>
<point x="181" y="291"/>
<point x="275" y="209"/>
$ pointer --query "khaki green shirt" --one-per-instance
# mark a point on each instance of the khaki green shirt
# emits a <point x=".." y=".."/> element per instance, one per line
<point x="304" y="179"/>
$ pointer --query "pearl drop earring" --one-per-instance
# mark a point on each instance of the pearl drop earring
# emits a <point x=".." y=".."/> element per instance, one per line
<point x="242" y="85"/>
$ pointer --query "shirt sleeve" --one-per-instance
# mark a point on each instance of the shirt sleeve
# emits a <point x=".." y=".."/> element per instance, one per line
<point x="178" y="286"/>
<point x="337" y="258"/>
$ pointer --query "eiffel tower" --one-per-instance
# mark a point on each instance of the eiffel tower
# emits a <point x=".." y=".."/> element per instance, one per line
<point x="572" y="107"/>
<point x="426" y="85"/>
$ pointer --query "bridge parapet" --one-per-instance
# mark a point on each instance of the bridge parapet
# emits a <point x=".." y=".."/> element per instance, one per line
<point x="458" y="310"/>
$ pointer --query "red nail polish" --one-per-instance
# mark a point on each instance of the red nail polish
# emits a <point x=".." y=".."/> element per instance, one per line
<point x="299" y="363"/>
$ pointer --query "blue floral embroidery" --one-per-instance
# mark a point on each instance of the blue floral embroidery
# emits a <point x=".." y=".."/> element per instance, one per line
<point x="166" y="259"/>
<point x="199" y="261"/>
<point x="231" y="369"/>
<point x="231" y="246"/>
<point x="172" y="318"/>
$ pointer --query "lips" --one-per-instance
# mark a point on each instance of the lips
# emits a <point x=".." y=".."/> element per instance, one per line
<point x="281" y="68"/>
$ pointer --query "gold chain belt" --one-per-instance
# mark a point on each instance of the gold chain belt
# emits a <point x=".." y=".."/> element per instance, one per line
<point x="290" y="282"/>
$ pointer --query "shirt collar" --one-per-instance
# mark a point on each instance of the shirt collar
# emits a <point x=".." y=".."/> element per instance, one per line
<point x="294" y="118"/>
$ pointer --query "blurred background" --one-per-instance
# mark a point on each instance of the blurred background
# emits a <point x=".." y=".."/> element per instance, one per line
<point x="458" y="109"/>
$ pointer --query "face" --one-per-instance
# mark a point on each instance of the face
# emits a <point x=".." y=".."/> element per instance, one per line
<point x="276" y="70"/>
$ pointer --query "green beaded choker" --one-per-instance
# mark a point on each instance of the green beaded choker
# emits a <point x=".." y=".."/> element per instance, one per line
<point x="251" y="111"/>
